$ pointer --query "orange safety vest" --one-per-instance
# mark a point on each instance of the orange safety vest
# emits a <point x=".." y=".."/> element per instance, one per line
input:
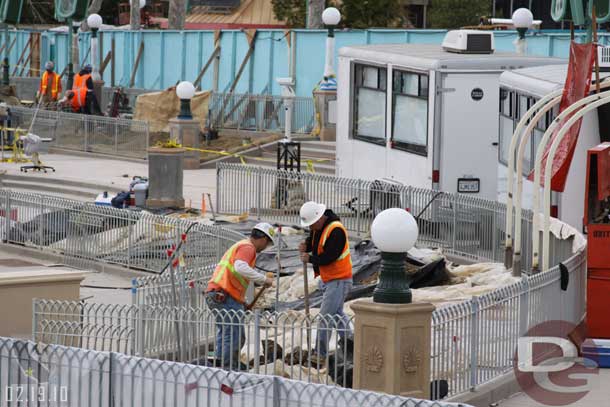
<point x="227" y="278"/>
<point x="341" y="268"/>
<point x="56" y="84"/>
<point x="80" y="91"/>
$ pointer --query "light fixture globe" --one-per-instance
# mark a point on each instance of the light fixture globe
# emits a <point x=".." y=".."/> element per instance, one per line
<point x="394" y="231"/>
<point x="523" y="18"/>
<point x="94" y="21"/>
<point x="185" y="90"/>
<point x="142" y="3"/>
<point x="331" y="16"/>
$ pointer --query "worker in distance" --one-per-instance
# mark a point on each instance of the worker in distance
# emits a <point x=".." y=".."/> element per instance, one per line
<point x="226" y="292"/>
<point x="327" y="249"/>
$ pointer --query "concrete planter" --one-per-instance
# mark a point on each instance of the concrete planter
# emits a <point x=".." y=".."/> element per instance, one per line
<point x="165" y="177"/>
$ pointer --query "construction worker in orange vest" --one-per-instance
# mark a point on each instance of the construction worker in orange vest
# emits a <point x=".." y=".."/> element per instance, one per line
<point x="50" y="85"/>
<point x="83" y="90"/>
<point x="226" y="292"/>
<point x="330" y="256"/>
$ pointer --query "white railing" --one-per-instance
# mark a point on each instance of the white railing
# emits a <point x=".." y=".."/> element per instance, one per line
<point x="72" y="377"/>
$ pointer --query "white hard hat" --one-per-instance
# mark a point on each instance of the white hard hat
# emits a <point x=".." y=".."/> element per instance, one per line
<point x="266" y="228"/>
<point x="311" y="212"/>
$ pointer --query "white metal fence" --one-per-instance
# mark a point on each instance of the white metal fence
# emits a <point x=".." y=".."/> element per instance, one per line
<point x="86" y="234"/>
<point x="259" y="342"/>
<point x="460" y="224"/>
<point x="260" y="113"/>
<point x="56" y="375"/>
<point x="86" y="133"/>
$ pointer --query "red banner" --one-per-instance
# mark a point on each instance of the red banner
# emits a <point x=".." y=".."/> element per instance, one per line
<point x="577" y="85"/>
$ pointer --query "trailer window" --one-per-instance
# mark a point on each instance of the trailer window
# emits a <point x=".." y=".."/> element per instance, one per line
<point x="369" y="104"/>
<point x="410" y="112"/>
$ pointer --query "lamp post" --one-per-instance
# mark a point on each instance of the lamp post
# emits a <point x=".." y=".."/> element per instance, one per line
<point x="185" y="91"/>
<point x="394" y="231"/>
<point x="331" y="17"/>
<point x="5" y="67"/>
<point x="522" y="20"/>
<point x="72" y="39"/>
<point x="94" y="21"/>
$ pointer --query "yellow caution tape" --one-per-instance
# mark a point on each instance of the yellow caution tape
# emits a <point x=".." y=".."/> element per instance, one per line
<point x="181" y="260"/>
<point x="310" y="166"/>
<point x="243" y="158"/>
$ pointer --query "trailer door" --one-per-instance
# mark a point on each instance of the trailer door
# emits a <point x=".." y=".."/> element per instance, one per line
<point x="469" y="152"/>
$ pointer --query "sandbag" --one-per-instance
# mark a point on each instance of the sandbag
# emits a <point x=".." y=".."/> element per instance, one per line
<point x="157" y="108"/>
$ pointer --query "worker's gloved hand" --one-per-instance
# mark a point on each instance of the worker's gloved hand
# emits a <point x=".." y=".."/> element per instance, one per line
<point x="302" y="247"/>
<point x="305" y="257"/>
<point x="268" y="282"/>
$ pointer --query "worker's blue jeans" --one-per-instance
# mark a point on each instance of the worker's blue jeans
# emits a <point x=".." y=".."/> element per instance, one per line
<point x="230" y="336"/>
<point x="331" y="312"/>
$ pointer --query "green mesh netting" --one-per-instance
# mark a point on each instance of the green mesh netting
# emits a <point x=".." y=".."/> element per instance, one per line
<point x="10" y="11"/>
<point x="75" y="9"/>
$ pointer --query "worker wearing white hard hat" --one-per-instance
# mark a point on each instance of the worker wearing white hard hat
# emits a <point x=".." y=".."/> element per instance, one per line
<point x="226" y="292"/>
<point x="327" y="249"/>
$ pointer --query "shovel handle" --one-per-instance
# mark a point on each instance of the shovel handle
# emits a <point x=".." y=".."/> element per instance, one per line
<point x="306" y="289"/>
<point x="256" y="297"/>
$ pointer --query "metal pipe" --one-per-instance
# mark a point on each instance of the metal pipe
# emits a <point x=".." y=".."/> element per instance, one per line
<point x="539" y="153"/>
<point x="598" y="101"/>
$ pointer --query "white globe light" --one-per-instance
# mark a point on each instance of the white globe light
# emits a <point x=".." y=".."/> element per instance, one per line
<point x="331" y="16"/>
<point x="185" y="90"/>
<point x="94" y="21"/>
<point x="523" y="18"/>
<point x="142" y="3"/>
<point x="394" y="230"/>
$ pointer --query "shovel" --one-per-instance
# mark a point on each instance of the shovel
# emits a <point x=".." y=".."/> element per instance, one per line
<point x="306" y="292"/>
<point x="256" y="297"/>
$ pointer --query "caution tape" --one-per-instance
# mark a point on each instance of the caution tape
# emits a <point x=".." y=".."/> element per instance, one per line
<point x="242" y="158"/>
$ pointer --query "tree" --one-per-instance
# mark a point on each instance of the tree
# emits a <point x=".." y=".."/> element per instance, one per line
<point x="372" y="13"/>
<point x="457" y="13"/>
<point x="177" y="14"/>
<point x="314" y="13"/>
<point x="293" y="12"/>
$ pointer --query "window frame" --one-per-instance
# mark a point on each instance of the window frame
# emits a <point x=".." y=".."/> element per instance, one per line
<point x="354" y="101"/>
<point x="417" y="149"/>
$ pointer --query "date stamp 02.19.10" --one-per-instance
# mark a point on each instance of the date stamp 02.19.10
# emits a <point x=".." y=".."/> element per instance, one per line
<point x="27" y="393"/>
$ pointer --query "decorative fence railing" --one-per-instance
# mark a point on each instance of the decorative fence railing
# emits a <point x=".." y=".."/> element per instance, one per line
<point x="86" y="234"/>
<point x="66" y="376"/>
<point x="86" y="133"/>
<point x="260" y="113"/>
<point x="259" y="342"/>
<point x="460" y="224"/>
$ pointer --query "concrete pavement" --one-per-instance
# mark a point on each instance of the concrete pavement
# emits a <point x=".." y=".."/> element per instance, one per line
<point x="599" y="396"/>
<point x="111" y="172"/>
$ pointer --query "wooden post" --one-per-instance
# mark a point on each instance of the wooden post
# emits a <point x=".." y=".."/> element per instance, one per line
<point x="105" y="63"/>
<point x="135" y="66"/>
<point x="206" y="66"/>
<point x="112" y="72"/>
<point x="27" y="46"/>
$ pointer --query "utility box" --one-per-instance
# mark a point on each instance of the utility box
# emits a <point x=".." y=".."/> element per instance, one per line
<point x="597" y="223"/>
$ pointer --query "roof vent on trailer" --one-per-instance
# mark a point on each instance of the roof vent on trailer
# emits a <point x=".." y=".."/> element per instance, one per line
<point x="603" y="58"/>
<point x="469" y="42"/>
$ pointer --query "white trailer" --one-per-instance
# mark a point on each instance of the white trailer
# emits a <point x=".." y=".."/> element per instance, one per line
<point x="521" y="89"/>
<point x="422" y="116"/>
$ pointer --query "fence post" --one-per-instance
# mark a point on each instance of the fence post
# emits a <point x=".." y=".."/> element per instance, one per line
<point x="86" y="127"/>
<point x="494" y="233"/>
<point x="111" y="397"/>
<point x="358" y="206"/>
<point x="276" y="392"/>
<point x="41" y="224"/>
<point x="474" y="341"/>
<point x="7" y="216"/>
<point x="218" y="187"/>
<point x="116" y="136"/>
<point x="34" y="320"/>
<point x="524" y="306"/>
<point x="129" y="239"/>
<point x="259" y="184"/>
<point x="257" y="340"/>
<point x="454" y="231"/>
